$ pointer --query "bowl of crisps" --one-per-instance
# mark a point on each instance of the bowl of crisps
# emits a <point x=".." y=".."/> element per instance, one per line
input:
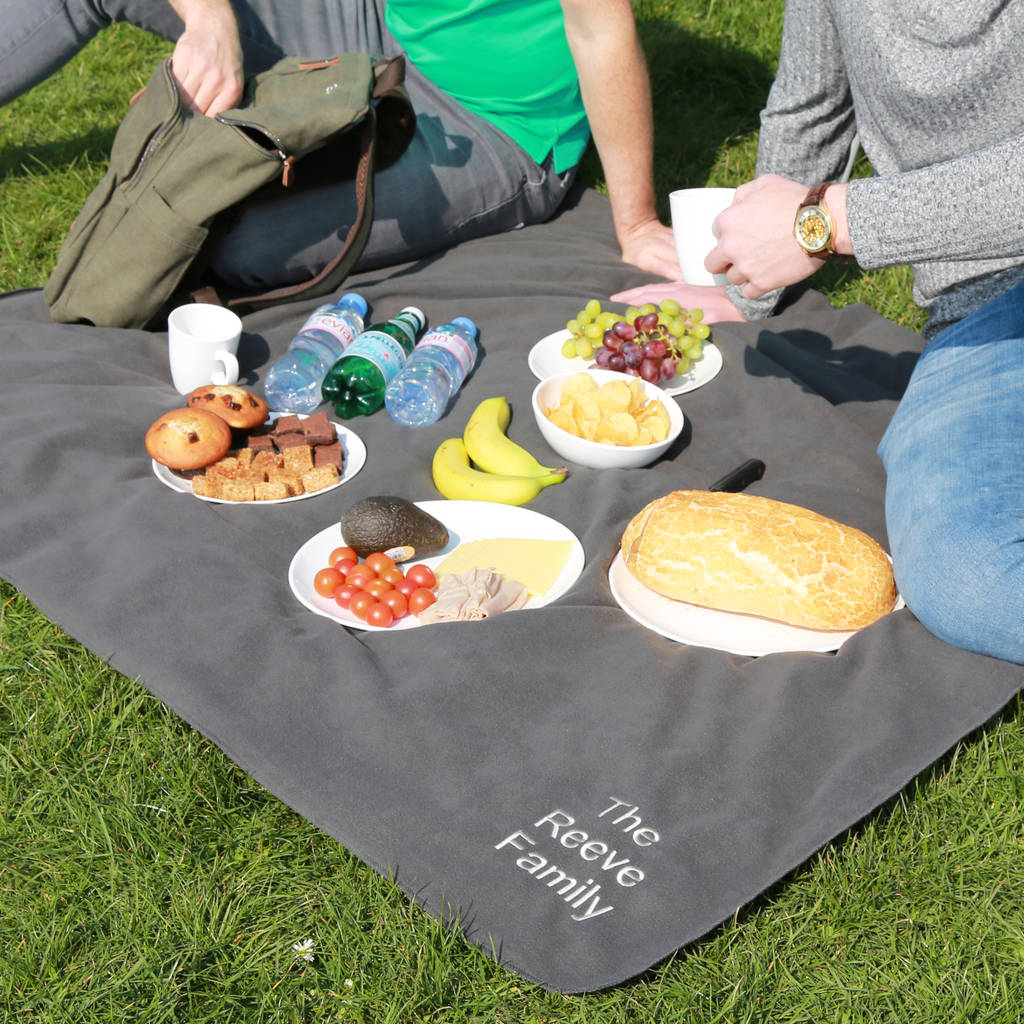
<point x="606" y="420"/>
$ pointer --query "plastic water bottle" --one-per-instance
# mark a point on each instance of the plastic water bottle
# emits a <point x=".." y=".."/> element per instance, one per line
<point x="439" y="364"/>
<point x="356" y="383"/>
<point x="293" y="383"/>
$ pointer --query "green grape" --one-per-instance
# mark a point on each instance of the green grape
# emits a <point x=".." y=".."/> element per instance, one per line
<point x="648" y="307"/>
<point x="632" y="312"/>
<point x="671" y="307"/>
<point x="593" y="331"/>
<point x="683" y="365"/>
<point x="677" y="327"/>
<point x="694" y="350"/>
<point x="574" y="327"/>
<point x="607" y="319"/>
<point x="696" y="315"/>
<point x="583" y="318"/>
<point x="593" y="307"/>
<point x="569" y="348"/>
<point x="701" y="331"/>
<point x="584" y="349"/>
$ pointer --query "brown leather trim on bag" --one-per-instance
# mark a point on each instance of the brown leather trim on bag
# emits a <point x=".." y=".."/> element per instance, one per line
<point x="312" y="65"/>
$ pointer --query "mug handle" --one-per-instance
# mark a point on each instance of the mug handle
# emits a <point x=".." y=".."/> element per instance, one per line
<point x="229" y="373"/>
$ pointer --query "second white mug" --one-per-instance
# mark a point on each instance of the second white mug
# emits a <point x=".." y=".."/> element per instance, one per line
<point x="202" y="345"/>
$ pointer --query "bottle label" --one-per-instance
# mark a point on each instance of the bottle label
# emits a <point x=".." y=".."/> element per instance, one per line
<point x="332" y="324"/>
<point x="458" y="346"/>
<point x="380" y="349"/>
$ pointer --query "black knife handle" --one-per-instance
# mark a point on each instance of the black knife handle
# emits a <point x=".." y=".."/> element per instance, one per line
<point x="741" y="477"/>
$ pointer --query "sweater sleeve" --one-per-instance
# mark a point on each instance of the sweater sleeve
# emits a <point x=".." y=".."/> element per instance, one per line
<point x="962" y="209"/>
<point x="807" y="125"/>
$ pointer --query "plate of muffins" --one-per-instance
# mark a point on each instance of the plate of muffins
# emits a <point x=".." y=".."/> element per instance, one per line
<point x="226" y="446"/>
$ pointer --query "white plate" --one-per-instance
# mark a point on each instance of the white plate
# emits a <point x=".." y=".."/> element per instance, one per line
<point x="466" y="520"/>
<point x="706" y="627"/>
<point x="355" y="457"/>
<point x="546" y="360"/>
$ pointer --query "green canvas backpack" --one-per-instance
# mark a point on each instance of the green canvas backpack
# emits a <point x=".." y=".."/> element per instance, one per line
<point x="136" y="248"/>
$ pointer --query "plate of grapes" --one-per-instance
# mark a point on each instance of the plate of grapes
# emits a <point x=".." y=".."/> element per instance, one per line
<point x="667" y="345"/>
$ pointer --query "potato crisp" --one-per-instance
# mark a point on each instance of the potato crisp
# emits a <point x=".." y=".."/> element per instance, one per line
<point x="617" y="412"/>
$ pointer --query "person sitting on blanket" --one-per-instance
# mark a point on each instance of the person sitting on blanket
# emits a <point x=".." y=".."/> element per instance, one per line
<point x="506" y="96"/>
<point x="936" y="94"/>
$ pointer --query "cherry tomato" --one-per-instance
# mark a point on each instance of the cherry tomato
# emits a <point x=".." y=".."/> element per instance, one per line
<point x="343" y="595"/>
<point x="379" y="614"/>
<point x="326" y="581"/>
<point x="377" y="587"/>
<point x="361" y="604"/>
<point x="392" y="574"/>
<point x="397" y="602"/>
<point x="340" y="553"/>
<point x="360" y="575"/>
<point x="421" y="599"/>
<point x="378" y="562"/>
<point x="405" y="586"/>
<point x="345" y="565"/>
<point x="422" y="575"/>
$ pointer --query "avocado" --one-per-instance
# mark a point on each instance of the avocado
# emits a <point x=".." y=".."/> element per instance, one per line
<point x="385" y="522"/>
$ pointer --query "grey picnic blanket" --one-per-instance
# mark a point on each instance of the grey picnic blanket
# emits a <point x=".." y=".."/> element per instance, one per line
<point x="579" y="795"/>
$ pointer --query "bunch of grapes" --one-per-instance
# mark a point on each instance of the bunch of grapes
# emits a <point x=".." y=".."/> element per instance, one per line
<point x="649" y="341"/>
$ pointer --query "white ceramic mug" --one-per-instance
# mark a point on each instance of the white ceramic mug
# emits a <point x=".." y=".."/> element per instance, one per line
<point x="693" y="212"/>
<point x="202" y="345"/>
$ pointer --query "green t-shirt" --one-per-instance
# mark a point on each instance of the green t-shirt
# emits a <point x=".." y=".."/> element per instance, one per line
<point x="506" y="60"/>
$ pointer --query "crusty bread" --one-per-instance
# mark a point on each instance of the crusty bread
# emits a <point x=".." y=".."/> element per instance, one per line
<point x="744" y="553"/>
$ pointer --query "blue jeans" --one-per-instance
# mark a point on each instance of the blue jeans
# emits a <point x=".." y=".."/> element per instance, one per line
<point x="954" y="455"/>
<point x="461" y="177"/>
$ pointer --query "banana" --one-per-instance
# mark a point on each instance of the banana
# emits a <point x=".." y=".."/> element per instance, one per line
<point x="492" y="450"/>
<point x="456" y="479"/>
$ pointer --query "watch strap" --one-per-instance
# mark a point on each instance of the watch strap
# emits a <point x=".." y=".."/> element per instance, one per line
<point x="816" y="195"/>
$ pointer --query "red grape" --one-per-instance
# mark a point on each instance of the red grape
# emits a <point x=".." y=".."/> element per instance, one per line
<point x="650" y="370"/>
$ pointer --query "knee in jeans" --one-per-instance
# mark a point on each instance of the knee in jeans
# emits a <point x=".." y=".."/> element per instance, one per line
<point x="964" y="582"/>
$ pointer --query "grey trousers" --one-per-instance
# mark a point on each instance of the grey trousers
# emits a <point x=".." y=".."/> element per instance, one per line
<point x="461" y="177"/>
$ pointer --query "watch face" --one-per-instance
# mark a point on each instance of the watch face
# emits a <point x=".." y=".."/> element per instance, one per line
<point x="813" y="229"/>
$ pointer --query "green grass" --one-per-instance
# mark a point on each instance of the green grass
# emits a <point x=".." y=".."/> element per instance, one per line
<point x="144" y="877"/>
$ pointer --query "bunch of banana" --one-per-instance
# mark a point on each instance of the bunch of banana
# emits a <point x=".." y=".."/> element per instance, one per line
<point x="507" y="473"/>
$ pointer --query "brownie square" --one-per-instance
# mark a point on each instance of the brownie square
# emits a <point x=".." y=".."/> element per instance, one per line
<point x="287" y="425"/>
<point x="319" y="429"/>
<point x="329" y="455"/>
<point x="286" y="441"/>
<point x="261" y="442"/>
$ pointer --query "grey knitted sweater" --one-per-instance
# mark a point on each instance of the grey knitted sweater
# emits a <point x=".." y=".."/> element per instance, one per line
<point x="935" y="89"/>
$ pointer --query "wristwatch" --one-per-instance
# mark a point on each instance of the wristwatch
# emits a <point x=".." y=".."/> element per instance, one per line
<point x="813" y="228"/>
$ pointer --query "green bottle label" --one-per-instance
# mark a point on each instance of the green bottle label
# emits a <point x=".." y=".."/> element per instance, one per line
<point x="380" y="349"/>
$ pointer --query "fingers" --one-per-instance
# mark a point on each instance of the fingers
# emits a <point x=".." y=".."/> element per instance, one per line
<point x="208" y="69"/>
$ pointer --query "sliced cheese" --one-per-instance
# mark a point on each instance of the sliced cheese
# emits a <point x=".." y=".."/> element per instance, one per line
<point x="534" y="563"/>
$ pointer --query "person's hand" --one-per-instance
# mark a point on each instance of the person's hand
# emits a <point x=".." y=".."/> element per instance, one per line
<point x="756" y="247"/>
<point x="709" y="298"/>
<point x="651" y="247"/>
<point x="207" y="65"/>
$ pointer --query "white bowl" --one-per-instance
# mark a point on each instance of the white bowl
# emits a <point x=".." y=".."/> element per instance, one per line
<point x="594" y="454"/>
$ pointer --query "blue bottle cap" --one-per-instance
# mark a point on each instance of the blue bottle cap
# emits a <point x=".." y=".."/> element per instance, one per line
<point x="466" y="324"/>
<point x="356" y="300"/>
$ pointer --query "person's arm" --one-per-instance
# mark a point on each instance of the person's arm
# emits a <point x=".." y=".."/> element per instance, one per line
<point x="207" y="58"/>
<point x="616" y="94"/>
<point x="807" y="127"/>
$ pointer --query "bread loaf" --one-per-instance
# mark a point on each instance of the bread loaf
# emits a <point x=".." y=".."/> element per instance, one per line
<point x="743" y="553"/>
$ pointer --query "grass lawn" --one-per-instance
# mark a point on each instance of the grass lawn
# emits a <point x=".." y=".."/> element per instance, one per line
<point x="144" y="877"/>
